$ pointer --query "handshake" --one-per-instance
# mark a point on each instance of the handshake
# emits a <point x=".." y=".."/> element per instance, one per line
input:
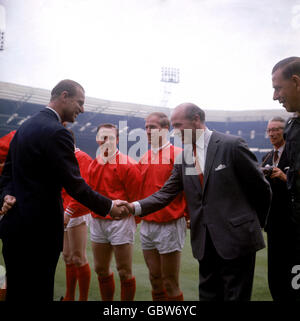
<point x="121" y="209"/>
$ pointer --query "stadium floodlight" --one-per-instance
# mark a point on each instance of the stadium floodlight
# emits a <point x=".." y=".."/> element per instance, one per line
<point x="2" y="26"/>
<point x="169" y="76"/>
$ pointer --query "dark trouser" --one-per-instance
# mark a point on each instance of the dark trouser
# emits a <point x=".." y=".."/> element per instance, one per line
<point x="30" y="269"/>
<point x="225" y="280"/>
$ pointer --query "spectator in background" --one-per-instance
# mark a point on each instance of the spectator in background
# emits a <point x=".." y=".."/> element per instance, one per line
<point x="286" y="84"/>
<point x="162" y="233"/>
<point x="116" y="176"/>
<point x="275" y="165"/>
<point x="75" y="239"/>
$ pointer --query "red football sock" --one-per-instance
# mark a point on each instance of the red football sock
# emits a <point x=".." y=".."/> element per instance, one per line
<point x="84" y="279"/>
<point x="71" y="279"/>
<point x="159" y="296"/>
<point x="128" y="289"/>
<point x="107" y="287"/>
<point x="176" y="298"/>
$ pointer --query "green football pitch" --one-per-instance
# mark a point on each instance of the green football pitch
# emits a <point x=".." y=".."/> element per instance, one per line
<point x="188" y="276"/>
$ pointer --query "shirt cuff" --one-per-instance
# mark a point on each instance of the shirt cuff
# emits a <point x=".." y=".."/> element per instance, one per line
<point x="112" y="205"/>
<point x="137" y="209"/>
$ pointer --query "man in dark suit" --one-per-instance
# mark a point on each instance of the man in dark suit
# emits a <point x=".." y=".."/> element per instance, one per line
<point x="286" y="84"/>
<point x="275" y="165"/>
<point x="228" y="200"/>
<point x="40" y="162"/>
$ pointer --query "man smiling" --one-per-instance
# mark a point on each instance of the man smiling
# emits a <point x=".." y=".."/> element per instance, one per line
<point x="286" y="84"/>
<point x="40" y="162"/>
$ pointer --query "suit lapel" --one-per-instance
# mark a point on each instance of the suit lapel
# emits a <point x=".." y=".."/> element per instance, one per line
<point x="269" y="158"/>
<point x="210" y="155"/>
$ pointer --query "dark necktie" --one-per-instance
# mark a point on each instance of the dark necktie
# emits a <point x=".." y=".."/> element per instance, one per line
<point x="276" y="156"/>
<point x="197" y="165"/>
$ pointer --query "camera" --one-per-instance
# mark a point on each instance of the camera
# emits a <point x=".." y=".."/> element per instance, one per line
<point x="267" y="170"/>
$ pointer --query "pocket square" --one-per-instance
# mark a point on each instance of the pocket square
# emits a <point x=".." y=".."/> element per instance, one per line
<point x="221" y="166"/>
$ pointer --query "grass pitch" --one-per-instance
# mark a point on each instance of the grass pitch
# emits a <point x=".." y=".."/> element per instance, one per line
<point x="188" y="275"/>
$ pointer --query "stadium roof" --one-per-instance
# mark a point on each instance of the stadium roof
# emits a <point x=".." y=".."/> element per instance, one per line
<point x="23" y="93"/>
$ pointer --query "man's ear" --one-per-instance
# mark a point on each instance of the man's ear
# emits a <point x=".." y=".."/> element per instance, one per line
<point x="64" y="94"/>
<point x="296" y="81"/>
<point x="197" y="119"/>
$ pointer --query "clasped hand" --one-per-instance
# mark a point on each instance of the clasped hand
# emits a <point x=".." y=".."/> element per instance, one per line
<point x="8" y="203"/>
<point x="121" y="209"/>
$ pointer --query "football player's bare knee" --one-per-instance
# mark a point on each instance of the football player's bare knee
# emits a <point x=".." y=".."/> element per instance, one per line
<point x="79" y="259"/>
<point x="170" y="283"/>
<point x="125" y="272"/>
<point x="102" y="270"/>
<point x="156" y="281"/>
<point x="67" y="258"/>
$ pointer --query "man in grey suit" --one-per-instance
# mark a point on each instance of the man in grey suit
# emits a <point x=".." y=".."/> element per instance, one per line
<point x="228" y="200"/>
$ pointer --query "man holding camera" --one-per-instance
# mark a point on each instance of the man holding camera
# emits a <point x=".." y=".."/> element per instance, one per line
<point x="275" y="165"/>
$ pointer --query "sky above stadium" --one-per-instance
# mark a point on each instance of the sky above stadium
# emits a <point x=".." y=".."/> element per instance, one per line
<point x="224" y="49"/>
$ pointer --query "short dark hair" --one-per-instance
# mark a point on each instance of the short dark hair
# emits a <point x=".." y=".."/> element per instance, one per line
<point x="108" y="125"/>
<point x="65" y="85"/>
<point x="163" y="119"/>
<point x="290" y="66"/>
<point x="192" y="110"/>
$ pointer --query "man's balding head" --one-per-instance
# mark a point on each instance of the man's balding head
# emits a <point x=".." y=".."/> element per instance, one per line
<point x="188" y="119"/>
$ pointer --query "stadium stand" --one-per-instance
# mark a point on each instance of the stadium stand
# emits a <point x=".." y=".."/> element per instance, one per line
<point x="18" y="103"/>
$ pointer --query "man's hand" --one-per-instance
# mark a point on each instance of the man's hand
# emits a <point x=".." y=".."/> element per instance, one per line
<point x="278" y="173"/>
<point x="119" y="210"/>
<point x="8" y="203"/>
<point x="130" y="207"/>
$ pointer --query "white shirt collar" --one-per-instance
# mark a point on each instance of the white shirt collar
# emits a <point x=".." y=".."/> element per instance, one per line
<point x="55" y="112"/>
<point x="203" y="140"/>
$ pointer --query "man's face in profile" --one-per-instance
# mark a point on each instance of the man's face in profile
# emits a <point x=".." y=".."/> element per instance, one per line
<point x="285" y="91"/>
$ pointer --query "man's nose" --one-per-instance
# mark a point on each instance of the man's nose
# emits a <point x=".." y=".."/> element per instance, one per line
<point x="275" y="96"/>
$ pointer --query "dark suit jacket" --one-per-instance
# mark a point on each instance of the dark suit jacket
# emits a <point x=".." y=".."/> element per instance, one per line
<point x="40" y="162"/>
<point x="233" y="203"/>
<point x="280" y="209"/>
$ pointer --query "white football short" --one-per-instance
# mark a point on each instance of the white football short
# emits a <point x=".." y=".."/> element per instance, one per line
<point x="75" y="221"/>
<point x="165" y="237"/>
<point x="115" y="232"/>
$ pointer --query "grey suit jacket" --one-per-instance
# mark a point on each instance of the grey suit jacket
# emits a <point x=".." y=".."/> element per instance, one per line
<point x="233" y="204"/>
